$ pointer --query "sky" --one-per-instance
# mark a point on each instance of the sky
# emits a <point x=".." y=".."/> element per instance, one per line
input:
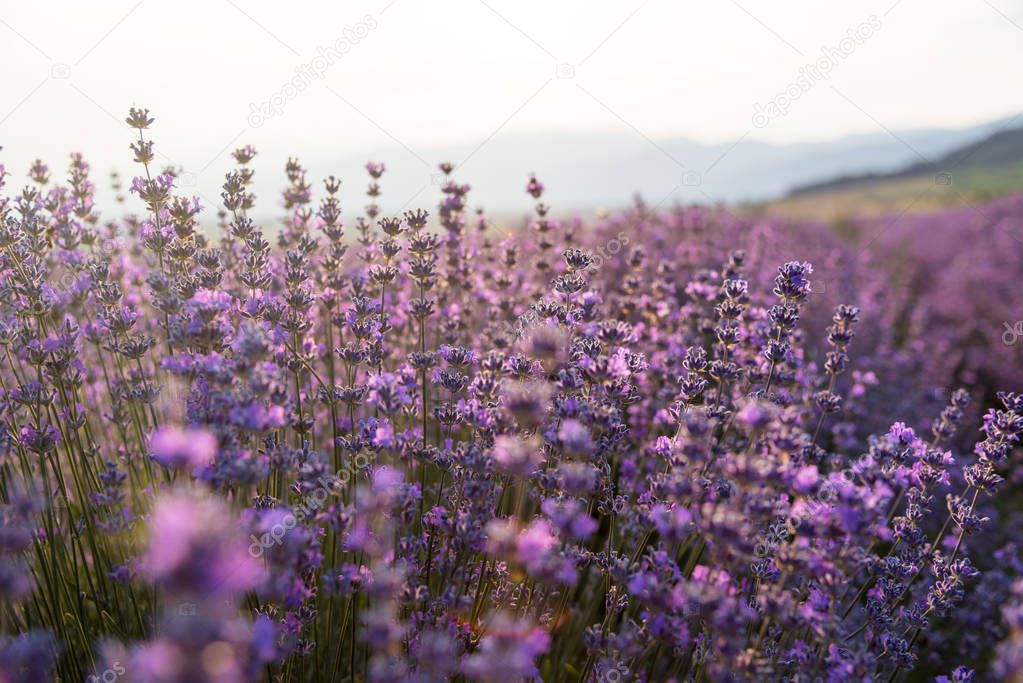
<point x="321" y="80"/>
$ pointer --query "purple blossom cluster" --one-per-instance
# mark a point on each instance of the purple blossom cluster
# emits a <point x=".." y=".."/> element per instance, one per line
<point x="726" y="449"/>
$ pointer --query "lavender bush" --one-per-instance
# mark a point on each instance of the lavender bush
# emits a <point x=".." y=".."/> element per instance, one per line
<point x="641" y="450"/>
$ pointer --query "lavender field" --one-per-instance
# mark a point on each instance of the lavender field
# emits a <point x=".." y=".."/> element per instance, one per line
<point x="676" y="443"/>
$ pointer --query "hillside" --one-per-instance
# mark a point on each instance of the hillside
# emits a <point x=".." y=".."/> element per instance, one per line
<point x="913" y="195"/>
<point x="1000" y="149"/>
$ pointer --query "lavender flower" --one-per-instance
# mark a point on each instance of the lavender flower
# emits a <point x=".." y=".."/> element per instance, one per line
<point x="626" y="448"/>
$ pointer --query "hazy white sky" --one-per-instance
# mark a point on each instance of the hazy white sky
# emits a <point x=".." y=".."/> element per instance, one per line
<point x="220" y="73"/>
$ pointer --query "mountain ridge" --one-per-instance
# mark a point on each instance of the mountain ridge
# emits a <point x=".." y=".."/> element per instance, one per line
<point x="589" y="170"/>
<point x="1000" y="148"/>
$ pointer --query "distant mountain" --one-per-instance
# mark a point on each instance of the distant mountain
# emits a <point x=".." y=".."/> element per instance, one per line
<point x="1001" y="148"/>
<point x="589" y="170"/>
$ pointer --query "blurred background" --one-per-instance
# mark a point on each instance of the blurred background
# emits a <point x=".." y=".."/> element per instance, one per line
<point x="803" y="108"/>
